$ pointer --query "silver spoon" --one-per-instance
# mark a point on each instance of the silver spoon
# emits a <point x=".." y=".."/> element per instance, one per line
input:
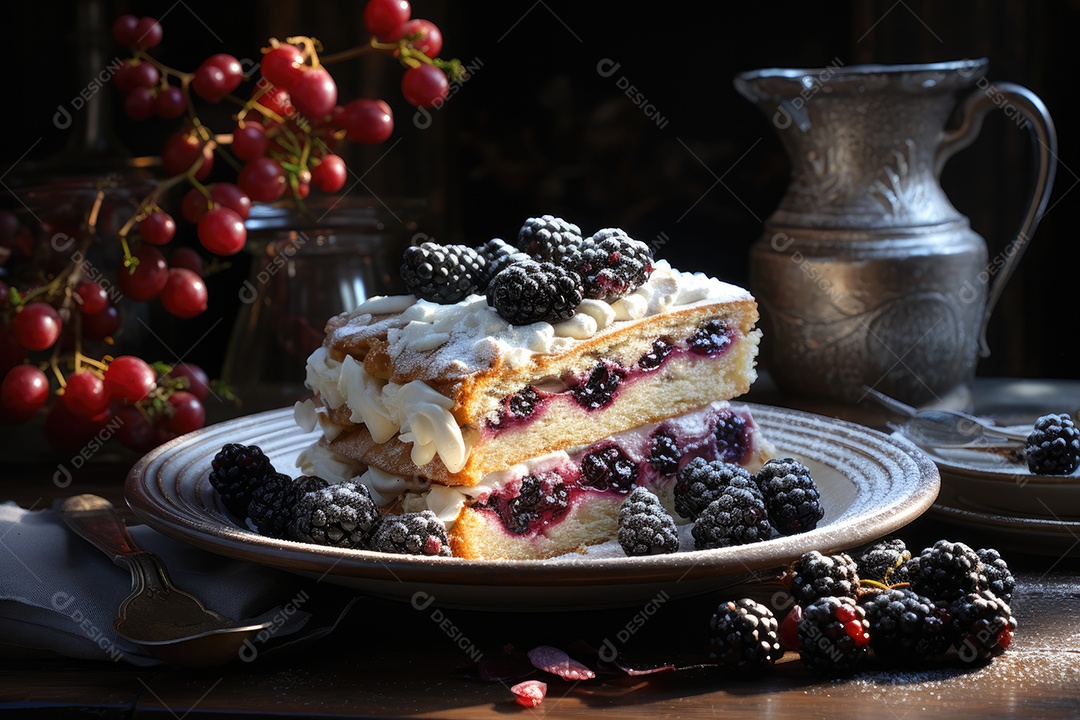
<point x="169" y="623"/>
<point x="940" y="428"/>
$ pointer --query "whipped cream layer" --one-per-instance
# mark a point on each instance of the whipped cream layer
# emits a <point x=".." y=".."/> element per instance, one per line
<point x="460" y="339"/>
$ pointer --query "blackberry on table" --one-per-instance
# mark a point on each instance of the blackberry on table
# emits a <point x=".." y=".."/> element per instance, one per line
<point x="834" y="635"/>
<point x="737" y="517"/>
<point x="529" y="291"/>
<point x="905" y="625"/>
<point x="341" y="515"/>
<point x="880" y="561"/>
<point x="744" y="636"/>
<point x="945" y="571"/>
<point x="984" y="624"/>
<point x="498" y="254"/>
<point x="815" y="575"/>
<point x="702" y="481"/>
<point x="1053" y="447"/>
<point x="645" y="527"/>
<point x="414" y="533"/>
<point x="548" y="238"/>
<point x="442" y="274"/>
<point x="236" y="471"/>
<point x="611" y="264"/>
<point x="999" y="579"/>
<point x="791" y="496"/>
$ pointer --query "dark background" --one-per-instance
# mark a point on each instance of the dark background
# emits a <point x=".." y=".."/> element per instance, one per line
<point x="537" y="129"/>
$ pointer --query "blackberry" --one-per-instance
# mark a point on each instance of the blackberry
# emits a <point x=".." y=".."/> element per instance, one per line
<point x="521" y="404"/>
<point x="548" y="238"/>
<point x="1053" y="447"/>
<point x="711" y="339"/>
<point x="815" y="576"/>
<point x="664" y="454"/>
<point x="443" y="274"/>
<point x="984" y="624"/>
<point x="415" y="533"/>
<point x="905" y="625"/>
<point x="609" y="468"/>
<point x="791" y="496"/>
<point x="269" y="508"/>
<point x="945" y="571"/>
<point x="703" y="481"/>
<point x="732" y="441"/>
<point x="528" y="292"/>
<point x="737" y="517"/>
<point x="744" y="636"/>
<point x="498" y="254"/>
<point x="880" y="561"/>
<point x="341" y="515"/>
<point x="657" y="354"/>
<point x="611" y="264"/>
<point x="598" y="389"/>
<point x="999" y="579"/>
<point x="540" y="498"/>
<point x="834" y="635"/>
<point x="645" y="527"/>
<point x="235" y="471"/>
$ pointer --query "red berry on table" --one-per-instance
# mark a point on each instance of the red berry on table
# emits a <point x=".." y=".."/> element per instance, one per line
<point x="129" y="378"/>
<point x="157" y="228"/>
<point x="385" y="18"/>
<point x="314" y="94"/>
<point x="329" y="175"/>
<point x="425" y="36"/>
<point x="36" y="326"/>
<point x="170" y="102"/>
<point x="85" y="394"/>
<point x="184" y="294"/>
<point x="424" y="86"/>
<point x="148" y="33"/>
<point x="367" y="121"/>
<point x="139" y="104"/>
<point x="262" y="179"/>
<point x="194" y="205"/>
<point x="188" y="413"/>
<point x="232" y="197"/>
<point x="188" y="259"/>
<point x="222" y="231"/>
<point x="146" y="280"/>
<point x="104" y="324"/>
<point x="180" y="153"/>
<point x="249" y="141"/>
<point x="281" y="66"/>
<point x="125" y="30"/>
<point x="93" y="298"/>
<point x="24" y="390"/>
<point x="198" y="382"/>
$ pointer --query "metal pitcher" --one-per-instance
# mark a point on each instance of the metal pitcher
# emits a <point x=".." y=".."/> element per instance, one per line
<point x="866" y="275"/>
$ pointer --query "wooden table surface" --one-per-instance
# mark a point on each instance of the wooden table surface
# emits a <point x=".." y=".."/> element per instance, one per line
<point x="389" y="659"/>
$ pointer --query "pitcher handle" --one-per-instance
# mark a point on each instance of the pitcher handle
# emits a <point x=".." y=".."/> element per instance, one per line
<point x="1029" y="107"/>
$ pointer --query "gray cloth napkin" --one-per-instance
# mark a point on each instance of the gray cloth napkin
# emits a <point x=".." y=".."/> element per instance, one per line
<point x="60" y="594"/>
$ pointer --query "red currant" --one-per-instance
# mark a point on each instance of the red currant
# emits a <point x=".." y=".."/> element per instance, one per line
<point x="329" y="175"/>
<point x="145" y="281"/>
<point x="367" y="121"/>
<point x="170" y="102"/>
<point x="180" y="153"/>
<point x="85" y="394"/>
<point x="157" y="228"/>
<point x="218" y="76"/>
<point x="188" y="259"/>
<point x="277" y="101"/>
<point x="385" y="18"/>
<point x="314" y="93"/>
<point x="24" y="390"/>
<point x="36" y="326"/>
<point x="249" y="141"/>
<point x="139" y="104"/>
<point x="129" y="378"/>
<point x="424" y="36"/>
<point x="148" y="33"/>
<point x="104" y="324"/>
<point x="231" y="196"/>
<point x="222" y="231"/>
<point x="194" y="205"/>
<point x="93" y="298"/>
<point x="188" y="413"/>
<point x="281" y="65"/>
<point x="425" y="86"/>
<point x="262" y="179"/>
<point x="198" y="382"/>
<point x="125" y="30"/>
<point x="184" y="295"/>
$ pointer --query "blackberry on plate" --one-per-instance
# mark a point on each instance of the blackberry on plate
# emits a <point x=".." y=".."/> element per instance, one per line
<point x="815" y="575"/>
<point x="414" y="533"/>
<point x="1053" y="447"/>
<point x="609" y="468"/>
<point x="598" y="389"/>
<point x="703" y="481"/>
<point x="834" y="635"/>
<point x="528" y="292"/>
<point x="498" y="254"/>
<point x="744" y="636"/>
<point x="442" y="274"/>
<point x="999" y="579"/>
<point x="548" y="237"/>
<point x="235" y="471"/>
<point x="664" y="454"/>
<point x="341" y="515"/>
<point x="645" y="527"/>
<point x="984" y="624"/>
<point x="791" y="496"/>
<point x="945" y="571"/>
<point x="905" y="625"/>
<point x="273" y="503"/>
<point x="611" y="264"/>
<point x="737" y="517"/>
<point x="880" y="561"/>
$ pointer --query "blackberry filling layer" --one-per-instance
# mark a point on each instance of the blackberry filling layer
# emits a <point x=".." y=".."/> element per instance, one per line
<point x="541" y="499"/>
<point x="664" y="454"/>
<point x="599" y="388"/>
<point x="732" y="442"/>
<point x="656" y="356"/>
<point x="609" y="468"/>
<point x="711" y="339"/>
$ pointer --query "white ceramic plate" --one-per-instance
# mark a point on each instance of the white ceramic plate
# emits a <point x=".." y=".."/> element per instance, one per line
<point x="871" y="485"/>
